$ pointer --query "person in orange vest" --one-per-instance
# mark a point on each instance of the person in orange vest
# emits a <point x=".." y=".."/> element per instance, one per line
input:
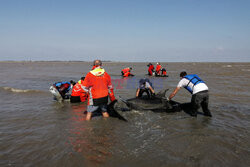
<point x="97" y="84"/>
<point x="163" y="72"/>
<point x="150" y="69"/>
<point x="158" y="69"/>
<point x="78" y="94"/>
<point x="126" y="72"/>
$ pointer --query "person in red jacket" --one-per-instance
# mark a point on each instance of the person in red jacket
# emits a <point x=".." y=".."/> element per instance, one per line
<point x="150" y="69"/>
<point x="78" y="94"/>
<point x="164" y="72"/>
<point x="126" y="72"/>
<point x="158" y="69"/>
<point x="99" y="87"/>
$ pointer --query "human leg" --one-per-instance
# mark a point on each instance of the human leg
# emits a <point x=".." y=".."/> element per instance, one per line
<point x="104" y="110"/>
<point x="90" y="110"/>
<point x="195" y="104"/>
<point x="204" y="105"/>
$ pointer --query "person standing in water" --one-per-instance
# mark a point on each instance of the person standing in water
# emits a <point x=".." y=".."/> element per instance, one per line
<point x="199" y="90"/>
<point x="99" y="87"/>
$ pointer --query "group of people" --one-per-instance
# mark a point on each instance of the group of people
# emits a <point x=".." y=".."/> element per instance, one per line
<point x="152" y="71"/>
<point x="77" y="93"/>
<point x="98" y="89"/>
<point x="158" y="71"/>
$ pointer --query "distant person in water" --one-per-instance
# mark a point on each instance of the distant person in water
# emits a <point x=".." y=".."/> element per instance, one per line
<point x="97" y="84"/>
<point x="150" y="69"/>
<point x="163" y="72"/>
<point x="78" y="94"/>
<point x="199" y="90"/>
<point x="158" y="69"/>
<point x="126" y="72"/>
<point x="63" y="87"/>
<point x="145" y="86"/>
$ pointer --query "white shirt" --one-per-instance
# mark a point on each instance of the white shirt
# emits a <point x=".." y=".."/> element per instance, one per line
<point x="197" y="88"/>
<point x="147" y="85"/>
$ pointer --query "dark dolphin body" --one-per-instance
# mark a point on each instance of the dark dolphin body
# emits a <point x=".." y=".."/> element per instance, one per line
<point x="156" y="104"/>
<point x="111" y="110"/>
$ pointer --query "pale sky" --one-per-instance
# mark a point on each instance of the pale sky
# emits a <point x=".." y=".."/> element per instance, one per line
<point x="125" y="30"/>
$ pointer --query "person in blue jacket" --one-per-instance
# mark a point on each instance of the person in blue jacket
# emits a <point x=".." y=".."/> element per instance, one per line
<point x="199" y="90"/>
<point x="63" y="87"/>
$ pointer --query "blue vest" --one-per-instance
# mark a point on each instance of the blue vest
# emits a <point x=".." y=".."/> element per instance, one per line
<point x="194" y="79"/>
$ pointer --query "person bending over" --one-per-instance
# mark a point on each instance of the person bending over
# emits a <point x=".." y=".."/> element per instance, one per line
<point x="199" y="90"/>
<point x="78" y="94"/>
<point x="145" y="86"/>
<point x="126" y="72"/>
<point x="63" y="87"/>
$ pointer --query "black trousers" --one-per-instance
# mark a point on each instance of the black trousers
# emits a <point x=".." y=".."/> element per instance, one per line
<point x="198" y="100"/>
<point x="147" y="91"/>
<point x="75" y="99"/>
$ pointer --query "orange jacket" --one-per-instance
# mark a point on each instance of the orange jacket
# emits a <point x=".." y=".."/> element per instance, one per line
<point x="78" y="91"/>
<point x="125" y="70"/>
<point x="97" y="83"/>
<point x="151" y="69"/>
<point x="158" y="69"/>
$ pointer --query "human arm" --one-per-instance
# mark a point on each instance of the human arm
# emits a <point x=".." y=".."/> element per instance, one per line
<point x="111" y="89"/>
<point x="174" y="93"/>
<point x="137" y="92"/>
<point x="152" y="90"/>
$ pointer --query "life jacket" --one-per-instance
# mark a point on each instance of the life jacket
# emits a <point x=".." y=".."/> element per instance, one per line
<point x="97" y="83"/>
<point x="158" y="69"/>
<point x="194" y="79"/>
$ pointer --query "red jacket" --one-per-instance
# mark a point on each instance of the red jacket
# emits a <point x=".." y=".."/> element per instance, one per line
<point x="158" y="69"/>
<point x="126" y="72"/>
<point x="97" y="83"/>
<point x="151" y="69"/>
<point x="78" y="91"/>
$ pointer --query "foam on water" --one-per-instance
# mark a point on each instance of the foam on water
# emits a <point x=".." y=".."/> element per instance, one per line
<point x="15" y="90"/>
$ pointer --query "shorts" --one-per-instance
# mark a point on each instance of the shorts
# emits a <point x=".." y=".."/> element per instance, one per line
<point x="102" y="107"/>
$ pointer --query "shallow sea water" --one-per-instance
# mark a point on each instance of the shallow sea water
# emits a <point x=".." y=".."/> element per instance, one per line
<point x="35" y="130"/>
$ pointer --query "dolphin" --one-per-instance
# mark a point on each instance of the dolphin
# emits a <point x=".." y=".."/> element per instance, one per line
<point x="111" y="111"/>
<point x="159" y="103"/>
